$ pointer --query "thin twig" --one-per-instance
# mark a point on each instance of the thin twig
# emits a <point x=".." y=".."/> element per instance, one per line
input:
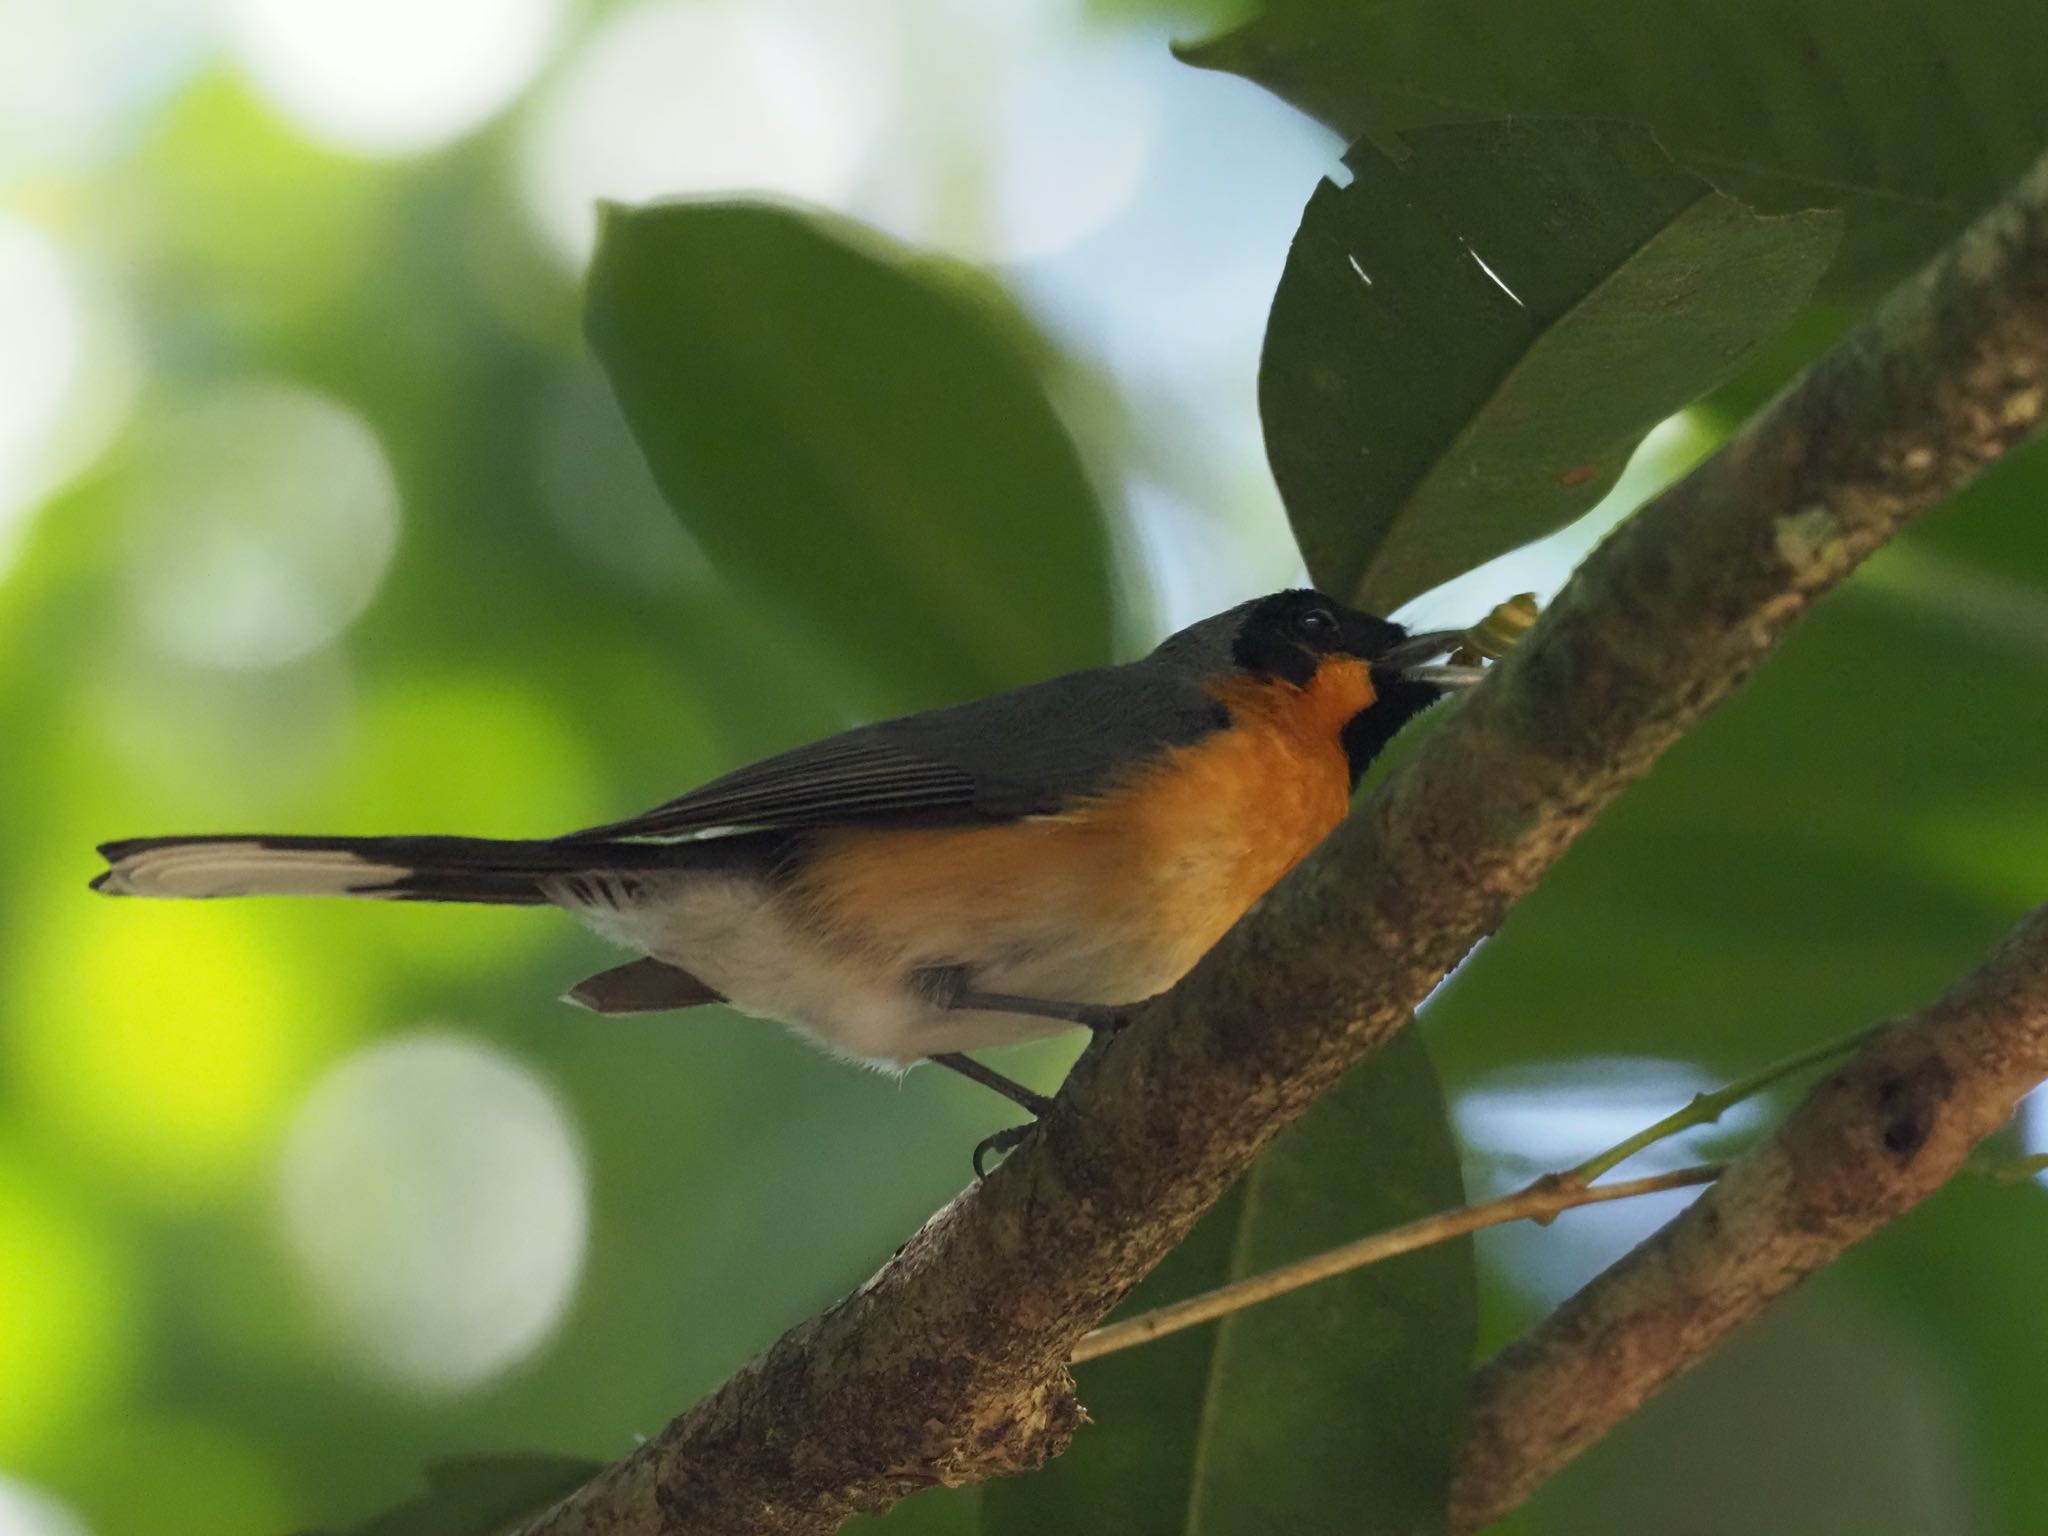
<point x="1541" y="1201"/>
<point x="1706" y="1108"/>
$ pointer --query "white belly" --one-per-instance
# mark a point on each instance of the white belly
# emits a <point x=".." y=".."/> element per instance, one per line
<point x="736" y="934"/>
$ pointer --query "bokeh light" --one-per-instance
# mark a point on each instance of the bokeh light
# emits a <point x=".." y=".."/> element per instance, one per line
<point x="1047" y="119"/>
<point x="690" y="96"/>
<point x="1070" y="134"/>
<point x="67" y="1333"/>
<point x="43" y="327"/>
<point x="27" y="1511"/>
<point x="262" y="524"/>
<point x="433" y="1191"/>
<point x="390" y="76"/>
<point x="1056" y="116"/>
<point x="74" y="78"/>
<point x="1227" y="177"/>
<point x="166" y="1038"/>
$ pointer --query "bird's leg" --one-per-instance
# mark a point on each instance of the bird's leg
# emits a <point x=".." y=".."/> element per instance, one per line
<point x="1037" y="1103"/>
<point x="1012" y="1136"/>
<point x="947" y="987"/>
<point x="1101" y="1018"/>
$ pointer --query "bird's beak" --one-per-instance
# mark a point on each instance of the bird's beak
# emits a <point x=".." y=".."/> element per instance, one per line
<point x="1410" y="660"/>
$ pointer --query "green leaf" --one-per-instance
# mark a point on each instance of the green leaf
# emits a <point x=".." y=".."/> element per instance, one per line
<point x="1466" y="346"/>
<point x="482" y="1495"/>
<point x="1909" y="114"/>
<point x="859" y="440"/>
<point x="1339" y="1407"/>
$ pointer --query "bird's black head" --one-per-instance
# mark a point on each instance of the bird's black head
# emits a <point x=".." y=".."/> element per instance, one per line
<point x="1290" y="635"/>
<point x="1295" y="637"/>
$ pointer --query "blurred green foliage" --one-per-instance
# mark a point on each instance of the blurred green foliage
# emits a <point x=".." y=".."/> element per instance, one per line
<point x="521" y="638"/>
<point x="547" y="648"/>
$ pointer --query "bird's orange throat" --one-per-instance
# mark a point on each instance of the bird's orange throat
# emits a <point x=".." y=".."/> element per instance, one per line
<point x="1317" y="712"/>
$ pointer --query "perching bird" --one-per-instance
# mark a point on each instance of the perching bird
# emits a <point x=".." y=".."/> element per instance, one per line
<point x="948" y="881"/>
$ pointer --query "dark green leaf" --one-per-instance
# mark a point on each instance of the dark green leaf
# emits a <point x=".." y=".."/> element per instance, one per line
<point x="863" y="442"/>
<point x="1336" y="1408"/>
<point x="1909" y="114"/>
<point x="482" y="1495"/>
<point x="1467" y="345"/>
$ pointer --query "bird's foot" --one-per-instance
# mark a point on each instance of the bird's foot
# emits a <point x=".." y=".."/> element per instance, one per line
<point x="1002" y="1143"/>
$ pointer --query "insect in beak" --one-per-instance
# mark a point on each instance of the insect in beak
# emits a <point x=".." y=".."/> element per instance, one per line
<point x="1409" y="660"/>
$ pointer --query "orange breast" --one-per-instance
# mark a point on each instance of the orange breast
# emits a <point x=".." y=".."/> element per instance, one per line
<point x="1118" y="897"/>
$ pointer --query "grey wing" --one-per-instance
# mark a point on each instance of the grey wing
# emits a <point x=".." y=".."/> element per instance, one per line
<point x="1022" y="753"/>
<point x="854" y="777"/>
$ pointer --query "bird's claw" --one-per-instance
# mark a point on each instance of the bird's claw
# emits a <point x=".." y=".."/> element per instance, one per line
<point x="1005" y="1141"/>
<point x="1102" y="1020"/>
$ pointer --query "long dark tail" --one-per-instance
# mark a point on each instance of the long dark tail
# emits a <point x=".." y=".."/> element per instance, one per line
<point x="394" y="868"/>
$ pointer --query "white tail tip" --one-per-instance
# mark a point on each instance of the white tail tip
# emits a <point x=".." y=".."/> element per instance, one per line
<point x="242" y="867"/>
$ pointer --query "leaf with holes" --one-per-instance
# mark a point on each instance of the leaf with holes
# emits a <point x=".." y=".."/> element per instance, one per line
<point x="1910" y="115"/>
<point x="1338" y="1407"/>
<point x="1466" y="346"/>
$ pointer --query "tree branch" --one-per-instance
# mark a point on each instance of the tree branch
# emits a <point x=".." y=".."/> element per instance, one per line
<point x="949" y="1365"/>
<point x="1867" y="1144"/>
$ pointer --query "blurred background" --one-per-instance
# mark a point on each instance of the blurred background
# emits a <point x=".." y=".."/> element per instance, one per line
<point x="315" y="514"/>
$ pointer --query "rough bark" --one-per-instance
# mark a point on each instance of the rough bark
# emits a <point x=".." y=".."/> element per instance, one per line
<point x="1866" y="1145"/>
<point x="948" y="1365"/>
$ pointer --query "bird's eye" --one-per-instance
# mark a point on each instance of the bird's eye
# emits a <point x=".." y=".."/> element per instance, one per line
<point x="1317" y="624"/>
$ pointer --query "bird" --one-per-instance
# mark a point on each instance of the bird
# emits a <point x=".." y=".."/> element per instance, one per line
<point x="930" y="886"/>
